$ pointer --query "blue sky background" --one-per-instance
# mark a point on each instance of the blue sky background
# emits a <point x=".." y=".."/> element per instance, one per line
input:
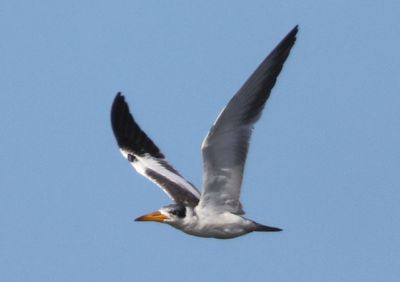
<point x="323" y="164"/>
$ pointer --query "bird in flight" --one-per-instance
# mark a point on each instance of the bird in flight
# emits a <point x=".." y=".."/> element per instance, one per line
<point x="217" y="211"/>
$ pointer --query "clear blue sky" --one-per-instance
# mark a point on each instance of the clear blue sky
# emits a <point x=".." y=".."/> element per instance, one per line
<point x="323" y="164"/>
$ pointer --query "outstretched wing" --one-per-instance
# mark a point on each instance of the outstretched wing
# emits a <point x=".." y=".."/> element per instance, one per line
<point x="146" y="158"/>
<point x="225" y="147"/>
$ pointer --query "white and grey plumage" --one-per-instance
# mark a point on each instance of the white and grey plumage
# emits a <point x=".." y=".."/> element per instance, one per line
<point x="217" y="211"/>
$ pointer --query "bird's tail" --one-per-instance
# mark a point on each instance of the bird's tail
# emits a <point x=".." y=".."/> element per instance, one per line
<point x="264" y="228"/>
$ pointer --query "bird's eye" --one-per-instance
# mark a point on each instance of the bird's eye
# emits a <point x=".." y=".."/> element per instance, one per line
<point x="178" y="212"/>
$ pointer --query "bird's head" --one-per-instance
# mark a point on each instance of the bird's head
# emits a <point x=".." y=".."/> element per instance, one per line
<point x="169" y="214"/>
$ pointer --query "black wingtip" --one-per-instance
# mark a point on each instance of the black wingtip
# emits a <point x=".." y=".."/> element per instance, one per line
<point x="294" y="31"/>
<point x="127" y="132"/>
<point x="287" y="43"/>
<point x="260" y="83"/>
<point x="118" y="102"/>
<point x="119" y="96"/>
<point x="290" y="38"/>
<point x="119" y="116"/>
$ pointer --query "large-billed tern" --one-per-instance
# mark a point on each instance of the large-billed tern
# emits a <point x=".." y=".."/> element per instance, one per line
<point x="217" y="211"/>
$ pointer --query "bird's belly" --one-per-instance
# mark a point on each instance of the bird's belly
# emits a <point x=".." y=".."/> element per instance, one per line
<point x="220" y="227"/>
<point x="217" y="232"/>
